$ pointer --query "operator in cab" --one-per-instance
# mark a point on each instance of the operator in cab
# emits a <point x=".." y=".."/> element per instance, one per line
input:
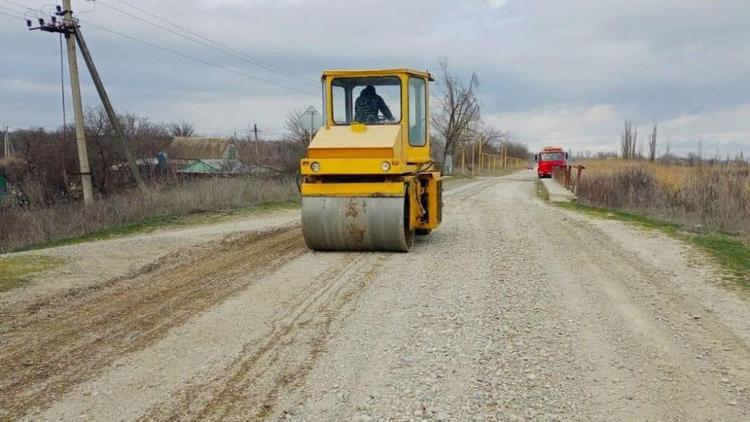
<point x="368" y="105"/>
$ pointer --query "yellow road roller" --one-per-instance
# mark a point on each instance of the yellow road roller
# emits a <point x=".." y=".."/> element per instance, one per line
<point x="367" y="182"/>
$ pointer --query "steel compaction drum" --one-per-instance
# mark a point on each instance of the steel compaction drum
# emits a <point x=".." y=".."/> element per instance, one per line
<point x="355" y="224"/>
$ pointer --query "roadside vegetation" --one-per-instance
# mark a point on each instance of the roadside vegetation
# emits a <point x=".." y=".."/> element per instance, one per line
<point x="126" y="212"/>
<point x="705" y="199"/>
<point x="703" y="195"/>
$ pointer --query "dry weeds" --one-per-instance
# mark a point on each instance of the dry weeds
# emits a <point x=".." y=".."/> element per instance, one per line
<point x="23" y="228"/>
<point x="707" y="198"/>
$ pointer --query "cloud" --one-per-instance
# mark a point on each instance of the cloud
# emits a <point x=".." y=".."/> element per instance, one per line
<point x="597" y="128"/>
<point x="594" y="127"/>
<point x="542" y="64"/>
<point x="497" y="3"/>
<point x="25" y="86"/>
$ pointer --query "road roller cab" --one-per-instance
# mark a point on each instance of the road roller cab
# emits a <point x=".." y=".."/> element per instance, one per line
<point x="367" y="181"/>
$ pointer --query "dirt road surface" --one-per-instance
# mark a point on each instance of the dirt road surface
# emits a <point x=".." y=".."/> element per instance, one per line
<point x="513" y="310"/>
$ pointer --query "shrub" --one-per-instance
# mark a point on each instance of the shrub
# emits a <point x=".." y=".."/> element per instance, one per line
<point x="706" y="198"/>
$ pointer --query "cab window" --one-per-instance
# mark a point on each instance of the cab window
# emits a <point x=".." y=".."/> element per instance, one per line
<point x="417" y="112"/>
<point x="369" y="100"/>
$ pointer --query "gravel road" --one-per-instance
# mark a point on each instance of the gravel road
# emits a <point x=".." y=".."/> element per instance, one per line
<point x="513" y="310"/>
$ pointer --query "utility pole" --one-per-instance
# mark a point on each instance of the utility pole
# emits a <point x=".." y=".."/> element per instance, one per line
<point x="472" y="160"/>
<point x="6" y="151"/>
<point x="463" y="160"/>
<point x="312" y="112"/>
<point x="73" y="34"/>
<point x="480" y="156"/>
<point x="311" y="128"/>
<point x="255" y="131"/>
<point x="75" y="87"/>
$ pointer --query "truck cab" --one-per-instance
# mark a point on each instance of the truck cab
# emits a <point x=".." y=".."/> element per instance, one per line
<point x="548" y="159"/>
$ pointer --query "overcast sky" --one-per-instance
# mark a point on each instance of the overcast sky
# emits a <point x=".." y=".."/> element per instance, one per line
<point x="552" y="72"/>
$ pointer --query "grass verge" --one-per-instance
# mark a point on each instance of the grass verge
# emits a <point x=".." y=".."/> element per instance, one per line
<point x="541" y="190"/>
<point x="15" y="270"/>
<point x="727" y="250"/>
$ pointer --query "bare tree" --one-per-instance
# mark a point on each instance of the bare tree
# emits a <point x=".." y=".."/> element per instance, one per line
<point x="491" y="139"/>
<point x="652" y="144"/>
<point x="181" y="128"/>
<point x="100" y="137"/>
<point x="458" y="111"/>
<point x="296" y="130"/>
<point x="629" y="140"/>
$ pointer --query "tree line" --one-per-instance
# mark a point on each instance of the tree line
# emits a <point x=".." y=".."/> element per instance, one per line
<point x="633" y="149"/>
<point x="45" y="162"/>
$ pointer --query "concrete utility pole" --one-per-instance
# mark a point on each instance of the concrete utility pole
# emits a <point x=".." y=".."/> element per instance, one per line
<point x="480" y="156"/>
<point x="73" y="34"/>
<point x="312" y="112"/>
<point x="463" y="160"/>
<point x="6" y="151"/>
<point x="75" y="87"/>
<point x="473" y="164"/>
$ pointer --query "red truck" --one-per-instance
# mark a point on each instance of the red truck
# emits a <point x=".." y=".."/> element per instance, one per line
<point x="548" y="159"/>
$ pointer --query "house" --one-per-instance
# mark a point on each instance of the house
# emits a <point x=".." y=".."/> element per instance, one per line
<point x="205" y="156"/>
<point x="196" y="148"/>
<point x="212" y="166"/>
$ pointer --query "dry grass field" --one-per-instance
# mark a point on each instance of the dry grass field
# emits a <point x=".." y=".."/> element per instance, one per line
<point x="132" y="211"/>
<point x="702" y="198"/>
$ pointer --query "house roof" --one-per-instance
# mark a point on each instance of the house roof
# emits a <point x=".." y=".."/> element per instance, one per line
<point x="211" y="166"/>
<point x="195" y="148"/>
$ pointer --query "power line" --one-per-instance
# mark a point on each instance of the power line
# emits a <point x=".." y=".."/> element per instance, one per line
<point x="22" y="6"/>
<point x="6" y="13"/>
<point x="197" y="40"/>
<point x="173" y="51"/>
<point x="227" y="50"/>
<point x="18" y="4"/>
<point x="196" y="59"/>
<point x="11" y="16"/>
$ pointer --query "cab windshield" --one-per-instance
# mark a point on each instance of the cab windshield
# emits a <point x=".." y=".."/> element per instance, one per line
<point x="370" y="100"/>
<point x="551" y="156"/>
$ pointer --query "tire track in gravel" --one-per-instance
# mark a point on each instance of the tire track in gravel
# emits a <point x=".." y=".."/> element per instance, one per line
<point x="249" y="387"/>
<point x="640" y="354"/>
<point x="684" y="357"/>
<point x="380" y="346"/>
<point x="275" y="367"/>
<point x="49" y="348"/>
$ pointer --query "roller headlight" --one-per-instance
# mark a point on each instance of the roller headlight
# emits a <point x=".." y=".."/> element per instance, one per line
<point x="385" y="166"/>
<point x="315" y="166"/>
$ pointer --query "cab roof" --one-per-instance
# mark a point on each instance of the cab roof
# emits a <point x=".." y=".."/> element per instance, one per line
<point x="378" y="72"/>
